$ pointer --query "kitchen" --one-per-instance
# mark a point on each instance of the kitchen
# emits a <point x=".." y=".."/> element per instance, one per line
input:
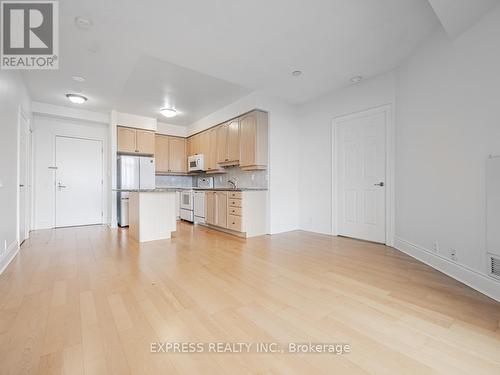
<point x="219" y="176"/>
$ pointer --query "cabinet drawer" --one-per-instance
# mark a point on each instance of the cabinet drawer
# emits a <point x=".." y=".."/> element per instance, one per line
<point x="233" y="202"/>
<point x="235" y="194"/>
<point x="234" y="211"/>
<point x="234" y="223"/>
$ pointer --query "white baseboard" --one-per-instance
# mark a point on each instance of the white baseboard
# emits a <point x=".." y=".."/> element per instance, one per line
<point x="10" y="254"/>
<point x="480" y="282"/>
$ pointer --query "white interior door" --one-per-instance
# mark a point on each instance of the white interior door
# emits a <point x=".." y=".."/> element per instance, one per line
<point x="361" y="176"/>
<point x="23" y="178"/>
<point x="79" y="181"/>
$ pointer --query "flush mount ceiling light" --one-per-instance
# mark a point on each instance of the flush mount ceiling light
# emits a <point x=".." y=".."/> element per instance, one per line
<point x="76" y="98"/>
<point x="78" y="79"/>
<point x="296" y="73"/>
<point x="83" y="23"/>
<point x="356" y="79"/>
<point x="168" y="112"/>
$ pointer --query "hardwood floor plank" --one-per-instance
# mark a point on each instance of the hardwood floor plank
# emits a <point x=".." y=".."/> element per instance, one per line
<point x="91" y="300"/>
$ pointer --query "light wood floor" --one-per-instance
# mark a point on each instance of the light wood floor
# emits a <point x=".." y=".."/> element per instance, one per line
<point x="90" y="301"/>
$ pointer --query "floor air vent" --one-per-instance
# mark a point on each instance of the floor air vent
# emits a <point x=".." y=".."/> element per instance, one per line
<point x="495" y="267"/>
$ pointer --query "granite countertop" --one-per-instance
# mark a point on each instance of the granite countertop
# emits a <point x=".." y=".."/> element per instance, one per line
<point x="166" y="189"/>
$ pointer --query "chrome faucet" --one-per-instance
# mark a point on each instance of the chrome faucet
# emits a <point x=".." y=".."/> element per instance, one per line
<point x="232" y="183"/>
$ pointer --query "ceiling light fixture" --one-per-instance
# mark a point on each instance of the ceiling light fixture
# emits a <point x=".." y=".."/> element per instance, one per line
<point x="78" y="79"/>
<point x="356" y="79"/>
<point x="83" y="23"/>
<point x="168" y="112"/>
<point x="76" y="98"/>
<point x="296" y="73"/>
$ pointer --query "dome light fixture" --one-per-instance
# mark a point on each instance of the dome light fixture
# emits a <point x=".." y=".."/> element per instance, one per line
<point x="76" y="98"/>
<point x="78" y="78"/>
<point x="83" y="23"/>
<point x="168" y="112"/>
<point x="356" y="79"/>
<point x="297" y="73"/>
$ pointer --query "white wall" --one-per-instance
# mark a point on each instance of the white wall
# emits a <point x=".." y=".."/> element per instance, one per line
<point x="283" y="154"/>
<point x="169" y="129"/>
<point x="135" y="121"/>
<point x="13" y="95"/>
<point x="448" y="121"/>
<point x="315" y="164"/>
<point x="446" y="98"/>
<point x="45" y="129"/>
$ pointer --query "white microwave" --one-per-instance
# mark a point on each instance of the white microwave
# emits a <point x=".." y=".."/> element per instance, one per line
<point x="196" y="163"/>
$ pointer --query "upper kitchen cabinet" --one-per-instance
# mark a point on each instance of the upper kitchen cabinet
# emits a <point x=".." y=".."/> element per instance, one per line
<point x="228" y="143"/>
<point x="177" y="155"/>
<point x="135" y="141"/>
<point x="253" y="141"/>
<point x="145" y="142"/>
<point x="211" y="165"/>
<point x="170" y="154"/>
<point x="125" y="139"/>
<point x="196" y="144"/>
<point x="161" y="153"/>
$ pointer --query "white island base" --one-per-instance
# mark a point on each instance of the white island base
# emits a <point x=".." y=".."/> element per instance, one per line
<point x="152" y="215"/>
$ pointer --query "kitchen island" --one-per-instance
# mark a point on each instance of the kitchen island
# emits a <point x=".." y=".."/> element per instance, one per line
<point x="152" y="214"/>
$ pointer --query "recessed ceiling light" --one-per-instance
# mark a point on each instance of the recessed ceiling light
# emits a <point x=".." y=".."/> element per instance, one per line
<point x="83" y="23"/>
<point x="78" y="79"/>
<point x="356" y="79"/>
<point x="76" y="98"/>
<point x="168" y="112"/>
<point x="296" y="73"/>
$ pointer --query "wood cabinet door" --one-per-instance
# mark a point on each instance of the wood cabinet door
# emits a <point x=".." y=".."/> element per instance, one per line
<point x="205" y="143"/>
<point x="210" y="207"/>
<point x="248" y="137"/>
<point x="177" y="155"/>
<point x="222" y="144"/>
<point x="161" y="153"/>
<point x="145" y="142"/>
<point x="195" y="142"/>
<point x="189" y="146"/>
<point x="221" y="202"/>
<point x="211" y="155"/>
<point x="233" y="140"/>
<point x="125" y="139"/>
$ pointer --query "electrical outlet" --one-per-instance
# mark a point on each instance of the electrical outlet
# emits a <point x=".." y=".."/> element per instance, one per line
<point x="453" y="255"/>
<point x="435" y="246"/>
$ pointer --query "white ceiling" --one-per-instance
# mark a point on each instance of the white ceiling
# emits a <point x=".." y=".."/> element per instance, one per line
<point x="458" y="15"/>
<point x="201" y="55"/>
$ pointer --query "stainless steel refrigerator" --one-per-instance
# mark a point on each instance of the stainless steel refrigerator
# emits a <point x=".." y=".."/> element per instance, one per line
<point x="133" y="173"/>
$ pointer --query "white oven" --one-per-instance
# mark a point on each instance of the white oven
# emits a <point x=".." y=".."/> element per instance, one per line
<point x="196" y="163"/>
<point x="187" y="205"/>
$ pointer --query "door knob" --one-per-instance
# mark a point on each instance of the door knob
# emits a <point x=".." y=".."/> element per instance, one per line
<point x="380" y="184"/>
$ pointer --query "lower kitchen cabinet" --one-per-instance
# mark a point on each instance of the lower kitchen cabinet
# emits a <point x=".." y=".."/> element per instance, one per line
<point x="216" y="208"/>
<point x="210" y="207"/>
<point x="243" y="213"/>
<point x="221" y="211"/>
